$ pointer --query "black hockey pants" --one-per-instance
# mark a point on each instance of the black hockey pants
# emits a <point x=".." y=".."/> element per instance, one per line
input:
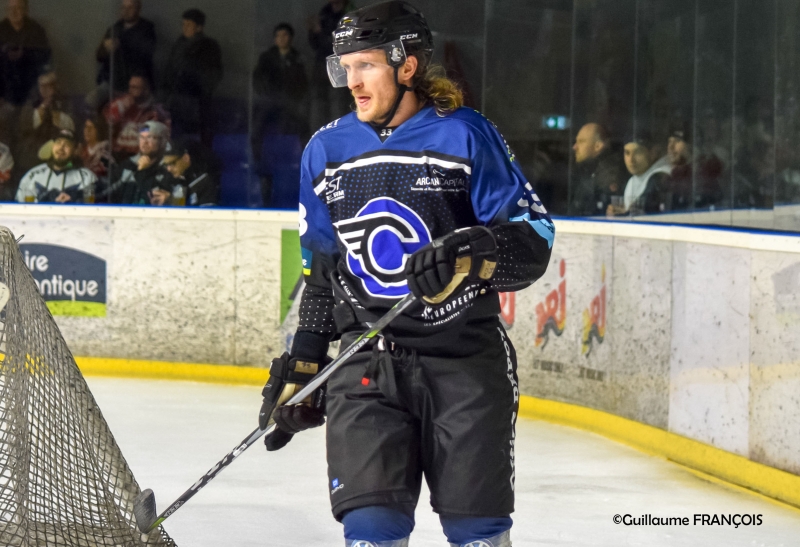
<point x="446" y="412"/>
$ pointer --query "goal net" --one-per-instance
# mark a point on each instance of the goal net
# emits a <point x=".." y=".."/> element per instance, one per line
<point x="63" y="479"/>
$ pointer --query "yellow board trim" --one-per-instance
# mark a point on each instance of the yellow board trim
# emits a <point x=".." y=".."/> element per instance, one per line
<point x="697" y="456"/>
<point x="161" y="370"/>
<point x="707" y="461"/>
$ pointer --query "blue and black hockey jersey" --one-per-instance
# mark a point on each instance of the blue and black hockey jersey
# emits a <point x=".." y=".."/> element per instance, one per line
<point x="366" y="205"/>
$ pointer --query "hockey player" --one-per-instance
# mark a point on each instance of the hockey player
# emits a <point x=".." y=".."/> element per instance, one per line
<point x="437" y="395"/>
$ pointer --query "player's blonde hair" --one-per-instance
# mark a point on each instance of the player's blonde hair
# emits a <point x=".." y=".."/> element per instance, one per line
<point x="434" y="87"/>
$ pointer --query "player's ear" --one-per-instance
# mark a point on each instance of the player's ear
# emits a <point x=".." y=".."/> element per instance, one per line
<point x="408" y="70"/>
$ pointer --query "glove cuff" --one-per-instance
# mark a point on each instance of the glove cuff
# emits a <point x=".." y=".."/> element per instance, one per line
<point x="310" y="345"/>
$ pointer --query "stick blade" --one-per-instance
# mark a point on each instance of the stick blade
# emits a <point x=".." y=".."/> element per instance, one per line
<point x="144" y="510"/>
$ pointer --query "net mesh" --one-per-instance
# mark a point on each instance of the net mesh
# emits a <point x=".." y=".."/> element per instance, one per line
<point x="63" y="479"/>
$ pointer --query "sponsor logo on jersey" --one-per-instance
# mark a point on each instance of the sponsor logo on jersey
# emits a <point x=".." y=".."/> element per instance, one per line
<point x="440" y="181"/>
<point x="450" y="309"/>
<point x="336" y="486"/>
<point x="332" y="190"/>
<point x="379" y="240"/>
<point x="331" y="125"/>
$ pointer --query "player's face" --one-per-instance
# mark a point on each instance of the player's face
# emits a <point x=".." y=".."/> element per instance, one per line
<point x="637" y="158"/>
<point x="371" y="81"/>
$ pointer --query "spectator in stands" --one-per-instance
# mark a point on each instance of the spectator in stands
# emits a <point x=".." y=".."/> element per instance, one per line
<point x="328" y="103"/>
<point x="646" y="190"/>
<point x="129" y="112"/>
<point x="132" y="181"/>
<point x="280" y="107"/>
<point x="95" y="150"/>
<point x="194" y="181"/>
<point x="598" y="171"/>
<point x="60" y="179"/>
<point x="24" y="52"/>
<point x="679" y="154"/>
<point x="6" y="169"/>
<point x="128" y="47"/>
<point x="39" y="119"/>
<point x="193" y="72"/>
<point x="281" y="87"/>
<point x="694" y="181"/>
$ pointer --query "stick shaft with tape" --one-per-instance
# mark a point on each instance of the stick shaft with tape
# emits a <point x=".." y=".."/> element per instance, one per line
<point x="145" y="507"/>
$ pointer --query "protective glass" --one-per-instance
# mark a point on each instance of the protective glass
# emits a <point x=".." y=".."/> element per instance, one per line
<point x="395" y="56"/>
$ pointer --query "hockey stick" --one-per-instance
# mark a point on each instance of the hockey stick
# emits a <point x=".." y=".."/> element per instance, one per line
<point x="144" y="506"/>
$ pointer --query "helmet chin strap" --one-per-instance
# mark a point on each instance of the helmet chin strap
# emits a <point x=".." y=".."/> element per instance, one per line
<point x="402" y="89"/>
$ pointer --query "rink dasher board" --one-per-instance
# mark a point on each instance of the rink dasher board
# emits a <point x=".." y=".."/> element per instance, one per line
<point x="700" y="335"/>
<point x="700" y="338"/>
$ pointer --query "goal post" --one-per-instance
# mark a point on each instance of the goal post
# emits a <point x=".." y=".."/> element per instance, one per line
<point x="63" y="478"/>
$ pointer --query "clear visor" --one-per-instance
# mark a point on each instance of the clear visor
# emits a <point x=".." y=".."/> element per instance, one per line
<point x="357" y="65"/>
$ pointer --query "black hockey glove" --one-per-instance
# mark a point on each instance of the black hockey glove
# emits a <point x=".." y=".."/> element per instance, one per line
<point x="439" y="268"/>
<point x="287" y="376"/>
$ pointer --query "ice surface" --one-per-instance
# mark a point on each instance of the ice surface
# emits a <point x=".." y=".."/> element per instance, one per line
<point x="570" y="484"/>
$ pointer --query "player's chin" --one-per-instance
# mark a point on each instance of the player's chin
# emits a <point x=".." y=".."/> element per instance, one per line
<point x="366" y="116"/>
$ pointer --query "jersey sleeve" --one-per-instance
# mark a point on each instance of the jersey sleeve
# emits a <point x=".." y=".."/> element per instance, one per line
<point x="506" y="202"/>
<point x="319" y="255"/>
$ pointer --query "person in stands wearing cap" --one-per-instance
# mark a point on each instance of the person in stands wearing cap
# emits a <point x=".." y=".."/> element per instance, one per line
<point x="679" y="154"/>
<point x="60" y="179"/>
<point x="646" y="189"/>
<point x="133" y="180"/>
<point x="197" y="180"/>
<point x="193" y="72"/>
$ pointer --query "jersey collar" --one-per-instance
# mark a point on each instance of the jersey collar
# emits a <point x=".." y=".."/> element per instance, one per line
<point x="412" y="121"/>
